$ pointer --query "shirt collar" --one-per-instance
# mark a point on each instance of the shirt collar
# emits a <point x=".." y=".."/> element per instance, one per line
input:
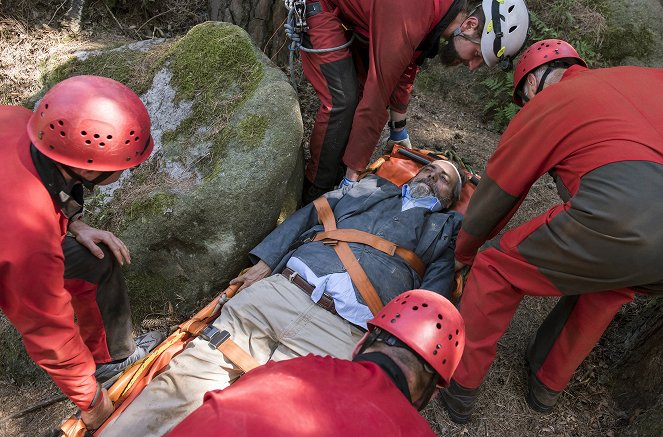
<point x="431" y="203"/>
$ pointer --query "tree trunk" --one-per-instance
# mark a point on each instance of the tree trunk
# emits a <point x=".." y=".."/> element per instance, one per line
<point x="262" y="19"/>
<point x="638" y="376"/>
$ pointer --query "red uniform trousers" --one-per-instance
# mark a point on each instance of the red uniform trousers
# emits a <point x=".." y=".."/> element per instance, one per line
<point x="590" y="250"/>
<point x="497" y="283"/>
<point x="338" y="79"/>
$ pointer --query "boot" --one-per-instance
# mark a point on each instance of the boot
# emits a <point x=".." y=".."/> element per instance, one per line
<point x="539" y="397"/>
<point x="459" y="402"/>
<point x="144" y="345"/>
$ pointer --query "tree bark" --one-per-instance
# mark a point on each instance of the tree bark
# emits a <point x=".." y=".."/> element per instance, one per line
<point x="262" y="19"/>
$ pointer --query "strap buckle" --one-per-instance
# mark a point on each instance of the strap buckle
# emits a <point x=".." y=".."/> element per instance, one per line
<point x="214" y="336"/>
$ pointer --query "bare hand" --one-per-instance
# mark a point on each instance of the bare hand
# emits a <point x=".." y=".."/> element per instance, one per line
<point x="95" y="417"/>
<point x="90" y="237"/>
<point x="257" y="272"/>
<point x="458" y="265"/>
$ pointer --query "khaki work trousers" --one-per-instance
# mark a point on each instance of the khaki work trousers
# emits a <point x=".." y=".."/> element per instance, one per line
<point x="272" y="320"/>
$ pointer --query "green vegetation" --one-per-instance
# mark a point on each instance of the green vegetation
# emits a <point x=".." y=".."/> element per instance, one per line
<point x="252" y="129"/>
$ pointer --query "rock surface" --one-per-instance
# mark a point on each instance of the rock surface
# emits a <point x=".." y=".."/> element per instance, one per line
<point x="227" y="161"/>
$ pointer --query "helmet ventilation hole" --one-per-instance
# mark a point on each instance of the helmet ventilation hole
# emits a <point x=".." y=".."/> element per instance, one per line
<point x="52" y="147"/>
<point x="450" y="337"/>
<point x="137" y="138"/>
<point x="88" y="142"/>
<point x="435" y="352"/>
<point x="108" y="137"/>
<point x="439" y="316"/>
<point x="102" y="144"/>
<point x="438" y="346"/>
<point x="127" y="142"/>
<point x="511" y="8"/>
<point x="438" y="326"/>
<point x="444" y="361"/>
<point x="456" y="331"/>
<point x="62" y="134"/>
<point x="383" y="316"/>
<point x="425" y="305"/>
<point x="398" y="315"/>
<point x="83" y="133"/>
<point x="415" y="308"/>
<point x="393" y="320"/>
<point x="46" y="106"/>
<point x="61" y="123"/>
<point x="90" y="161"/>
<point x="128" y="158"/>
<point x="131" y="133"/>
<point x="52" y="126"/>
<point x="96" y="136"/>
<point x="456" y="344"/>
<point x="512" y="28"/>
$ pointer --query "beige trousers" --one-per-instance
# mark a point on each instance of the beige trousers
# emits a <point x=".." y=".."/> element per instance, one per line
<point x="272" y="320"/>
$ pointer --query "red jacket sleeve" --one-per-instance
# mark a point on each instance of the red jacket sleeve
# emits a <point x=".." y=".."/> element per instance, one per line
<point x="37" y="304"/>
<point x="396" y="29"/>
<point x="400" y="98"/>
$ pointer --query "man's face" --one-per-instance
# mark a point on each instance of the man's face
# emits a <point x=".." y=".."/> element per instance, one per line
<point x="436" y="179"/>
<point x="464" y="47"/>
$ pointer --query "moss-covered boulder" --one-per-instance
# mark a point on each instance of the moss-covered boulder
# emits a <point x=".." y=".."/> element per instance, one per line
<point x="227" y="161"/>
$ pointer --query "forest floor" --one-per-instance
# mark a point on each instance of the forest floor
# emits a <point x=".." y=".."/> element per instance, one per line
<point x="437" y="120"/>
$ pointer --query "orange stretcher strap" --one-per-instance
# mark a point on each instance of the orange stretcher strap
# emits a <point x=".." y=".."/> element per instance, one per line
<point x="385" y="246"/>
<point x="221" y="340"/>
<point x="352" y="266"/>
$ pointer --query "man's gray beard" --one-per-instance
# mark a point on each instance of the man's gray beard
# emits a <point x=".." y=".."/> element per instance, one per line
<point x="422" y="189"/>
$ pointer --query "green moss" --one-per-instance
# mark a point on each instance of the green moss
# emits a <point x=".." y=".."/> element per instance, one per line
<point x="216" y="66"/>
<point x="131" y="67"/>
<point x="252" y="129"/>
<point x="156" y="204"/>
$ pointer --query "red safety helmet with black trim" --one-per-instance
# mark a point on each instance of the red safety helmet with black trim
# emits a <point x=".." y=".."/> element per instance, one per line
<point x="541" y="53"/>
<point x="429" y="324"/>
<point x="93" y="123"/>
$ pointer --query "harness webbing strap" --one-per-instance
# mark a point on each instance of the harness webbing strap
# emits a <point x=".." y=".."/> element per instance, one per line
<point x="221" y="340"/>
<point x="385" y="246"/>
<point x="342" y="249"/>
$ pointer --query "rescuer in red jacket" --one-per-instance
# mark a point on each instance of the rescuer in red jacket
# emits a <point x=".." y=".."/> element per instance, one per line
<point x="85" y="131"/>
<point x="599" y="134"/>
<point x="412" y="348"/>
<point x="362" y="56"/>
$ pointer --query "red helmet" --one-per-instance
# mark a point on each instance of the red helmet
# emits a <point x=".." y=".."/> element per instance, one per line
<point x="541" y="53"/>
<point x="92" y="122"/>
<point x="430" y="325"/>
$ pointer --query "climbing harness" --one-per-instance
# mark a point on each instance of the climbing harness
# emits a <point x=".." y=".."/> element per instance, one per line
<point x="296" y="26"/>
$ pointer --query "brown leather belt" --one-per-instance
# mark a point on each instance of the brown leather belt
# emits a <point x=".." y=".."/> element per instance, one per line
<point x="325" y="301"/>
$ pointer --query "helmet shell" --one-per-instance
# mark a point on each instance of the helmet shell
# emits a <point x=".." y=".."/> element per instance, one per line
<point x="93" y="123"/>
<point x="429" y="324"/>
<point x="514" y="24"/>
<point x="541" y="53"/>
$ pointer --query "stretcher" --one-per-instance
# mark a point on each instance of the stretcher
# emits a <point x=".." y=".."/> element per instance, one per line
<point x="399" y="167"/>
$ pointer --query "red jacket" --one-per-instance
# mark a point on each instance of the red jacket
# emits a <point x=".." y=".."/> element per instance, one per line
<point x="589" y="119"/>
<point x="308" y="396"/>
<point x="32" y="293"/>
<point x="394" y="30"/>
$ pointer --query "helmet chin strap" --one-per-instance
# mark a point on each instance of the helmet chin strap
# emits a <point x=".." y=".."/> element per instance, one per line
<point x="87" y="183"/>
